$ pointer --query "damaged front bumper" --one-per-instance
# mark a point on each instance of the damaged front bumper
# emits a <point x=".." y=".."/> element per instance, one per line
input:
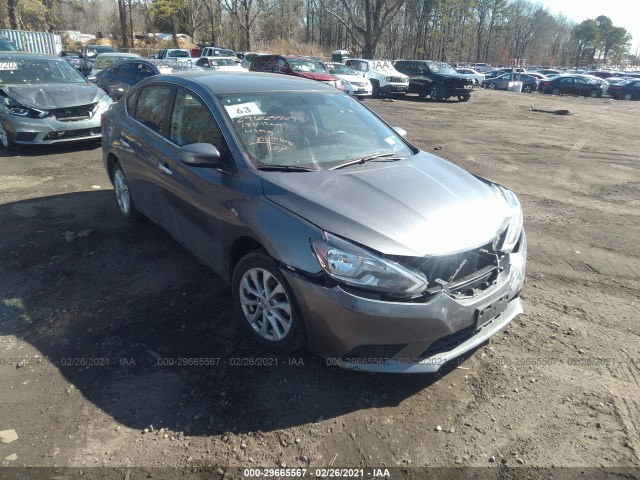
<point x="49" y="130"/>
<point x="371" y="335"/>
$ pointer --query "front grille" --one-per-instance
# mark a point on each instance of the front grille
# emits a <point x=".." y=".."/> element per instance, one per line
<point x="397" y="80"/>
<point x="357" y="84"/>
<point x="372" y="353"/>
<point x="81" y="112"/>
<point x="466" y="274"/>
<point x="81" y="132"/>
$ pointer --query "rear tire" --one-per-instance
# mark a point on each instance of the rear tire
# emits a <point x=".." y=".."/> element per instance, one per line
<point x="126" y="206"/>
<point x="266" y="305"/>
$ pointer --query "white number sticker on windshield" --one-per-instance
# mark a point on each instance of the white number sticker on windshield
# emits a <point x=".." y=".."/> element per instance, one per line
<point x="8" y="66"/>
<point x="243" y="109"/>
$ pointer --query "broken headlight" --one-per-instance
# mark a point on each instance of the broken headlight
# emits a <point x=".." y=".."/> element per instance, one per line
<point x="19" y="110"/>
<point x="354" y="266"/>
<point x="515" y="221"/>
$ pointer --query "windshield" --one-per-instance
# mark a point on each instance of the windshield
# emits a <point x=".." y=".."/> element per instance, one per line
<point x="96" y="50"/>
<point x="104" y="62"/>
<point x="224" y="62"/>
<point x="315" y="130"/>
<point x="178" y="54"/>
<point x="38" y="71"/>
<point x="303" y="65"/>
<point x="441" y="67"/>
<point x="340" y="70"/>
<point x="7" y="46"/>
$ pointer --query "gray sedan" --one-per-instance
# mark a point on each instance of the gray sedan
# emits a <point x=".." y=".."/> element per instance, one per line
<point x="332" y="230"/>
<point x="44" y="100"/>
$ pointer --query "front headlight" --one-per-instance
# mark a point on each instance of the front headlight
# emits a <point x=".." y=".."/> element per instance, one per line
<point x="514" y="228"/>
<point x="19" y="110"/>
<point x="352" y="265"/>
<point x="387" y="79"/>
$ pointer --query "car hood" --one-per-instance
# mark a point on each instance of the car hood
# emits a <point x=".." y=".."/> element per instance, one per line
<point x="47" y="97"/>
<point x="320" y="77"/>
<point x="416" y="207"/>
<point x="352" y="78"/>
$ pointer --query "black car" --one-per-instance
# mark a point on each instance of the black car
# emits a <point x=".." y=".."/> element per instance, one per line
<point x="437" y="79"/>
<point x="117" y="79"/>
<point x="571" y="85"/>
<point x="72" y="57"/>
<point x="626" y="91"/>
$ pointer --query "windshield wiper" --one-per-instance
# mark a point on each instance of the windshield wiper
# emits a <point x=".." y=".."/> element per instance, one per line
<point x="368" y="159"/>
<point x="285" y="168"/>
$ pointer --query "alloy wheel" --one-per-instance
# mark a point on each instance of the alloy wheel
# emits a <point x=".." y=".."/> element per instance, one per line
<point x="122" y="191"/>
<point x="265" y="304"/>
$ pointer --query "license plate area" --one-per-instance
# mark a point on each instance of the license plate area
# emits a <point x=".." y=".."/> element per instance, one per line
<point x="468" y="87"/>
<point x="491" y="311"/>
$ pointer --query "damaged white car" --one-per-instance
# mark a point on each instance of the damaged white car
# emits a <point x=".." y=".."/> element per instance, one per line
<point x="44" y="100"/>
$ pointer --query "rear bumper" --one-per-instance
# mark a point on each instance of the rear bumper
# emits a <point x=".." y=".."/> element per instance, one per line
<point x="397" y="337"/>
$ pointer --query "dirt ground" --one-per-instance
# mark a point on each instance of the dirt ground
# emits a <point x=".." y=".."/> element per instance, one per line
<point x="90" y="308"/>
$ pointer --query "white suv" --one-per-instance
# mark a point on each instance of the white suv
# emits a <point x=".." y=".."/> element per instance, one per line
<point x="385" y="79"/>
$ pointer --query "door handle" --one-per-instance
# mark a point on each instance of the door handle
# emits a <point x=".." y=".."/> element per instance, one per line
<point x="164" y="169"/>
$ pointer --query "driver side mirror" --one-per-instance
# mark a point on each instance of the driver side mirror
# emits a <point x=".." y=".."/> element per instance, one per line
<point x="200" y="155"/>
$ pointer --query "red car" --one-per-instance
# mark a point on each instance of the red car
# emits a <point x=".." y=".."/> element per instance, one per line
<point x="296" y="66"/>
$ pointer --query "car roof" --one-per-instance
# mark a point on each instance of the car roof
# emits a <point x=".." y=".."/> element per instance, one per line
<point x="28" y="55"/>
<point x="119" y="54"/>
<point x="237" y="82"/>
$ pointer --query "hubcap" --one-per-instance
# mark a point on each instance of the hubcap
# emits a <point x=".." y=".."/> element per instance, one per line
<point x="4" y="137"/>
<point x="122" y="191"/>
<point x="265" y="304"/>
<point x="627" y="96"/>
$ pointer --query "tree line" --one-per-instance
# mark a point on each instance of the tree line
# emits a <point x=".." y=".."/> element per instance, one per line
<point x="491" y="31"/>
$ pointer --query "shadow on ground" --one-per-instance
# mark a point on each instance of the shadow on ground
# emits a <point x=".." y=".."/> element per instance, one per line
<point x="147" y="333"/>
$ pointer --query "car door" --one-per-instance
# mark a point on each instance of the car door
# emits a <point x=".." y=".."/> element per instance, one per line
<point x="195" y="199"/>
<point x="566" y="86"/>
<point x="143" y="139"/>
<point x="581" y="86"/>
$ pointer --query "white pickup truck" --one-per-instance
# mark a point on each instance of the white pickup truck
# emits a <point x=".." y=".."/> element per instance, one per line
<point x="385" y="79"/>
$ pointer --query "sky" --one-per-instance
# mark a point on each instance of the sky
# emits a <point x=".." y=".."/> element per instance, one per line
<point x="623" y="13"/>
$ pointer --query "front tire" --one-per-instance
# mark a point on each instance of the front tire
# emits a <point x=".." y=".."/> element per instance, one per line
<point x="265" y="303"/>
<point x="464" y="98"/>
<point x="556" y="91"/>
<point x="594" y="93"/>
<point x="527" y="89"/>
<point x="627" y="96"/>
<point x="436" y="93"/>
<point x="5" y="141"/>
<point x="492" y="86"/>
<point x="126" y="206"/>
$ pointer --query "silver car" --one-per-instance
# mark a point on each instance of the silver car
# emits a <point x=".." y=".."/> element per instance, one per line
<point x="332" y="230"/>
<point x="44" y="100"/>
